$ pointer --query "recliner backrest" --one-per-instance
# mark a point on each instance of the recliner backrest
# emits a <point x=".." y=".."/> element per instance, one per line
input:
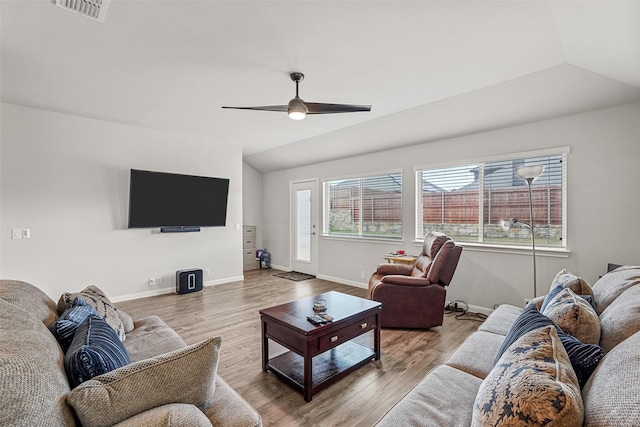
<point x="432" y="244"/>
<point x="444" y="264"/>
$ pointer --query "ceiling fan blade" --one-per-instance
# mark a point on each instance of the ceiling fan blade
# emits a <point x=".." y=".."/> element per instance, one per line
<point x="322" y="108"/>
<point x="278" y="108"/>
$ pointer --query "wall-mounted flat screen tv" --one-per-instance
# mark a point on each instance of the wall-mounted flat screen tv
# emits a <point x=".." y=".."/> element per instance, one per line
<point x="159" y="199"/>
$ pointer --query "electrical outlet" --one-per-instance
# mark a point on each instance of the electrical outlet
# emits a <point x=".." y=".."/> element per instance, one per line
<point x="16" y="233"/>
<point x="158" y="281"/>
<point x="26" y="233"/>
<point x="207" y="272"/>
<point x="362" y="274"/>
<point x="152" y="282"/>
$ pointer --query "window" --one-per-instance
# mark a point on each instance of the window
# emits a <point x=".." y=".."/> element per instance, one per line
<point x="467" y="201"/>
<point x="364" y="207"/>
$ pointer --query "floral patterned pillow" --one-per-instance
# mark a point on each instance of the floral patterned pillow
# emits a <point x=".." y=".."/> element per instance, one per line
<point x="578" y="285"/>
<point x="95" y="297"/>
<point x="575" y="316"/>
<point x="533" y="383"/>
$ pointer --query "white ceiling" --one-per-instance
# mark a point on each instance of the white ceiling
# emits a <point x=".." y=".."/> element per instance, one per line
<point x="431" y="69"/>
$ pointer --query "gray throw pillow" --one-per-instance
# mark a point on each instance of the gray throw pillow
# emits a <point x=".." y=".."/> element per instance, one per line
<point x="186" y="375"/>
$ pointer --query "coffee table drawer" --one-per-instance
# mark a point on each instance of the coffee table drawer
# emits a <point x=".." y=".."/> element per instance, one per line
<point x="345" y="334"/>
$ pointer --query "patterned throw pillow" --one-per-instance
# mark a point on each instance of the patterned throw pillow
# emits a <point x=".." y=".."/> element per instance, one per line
<point x="65" y="327"/>
<point x="186" y="375"/>
<point x="532" y="384"/>
<point x="527" y="321"/>
<point x="584" y="358"/>
<point x="575" y="316"/>
<point x="568" y="280"/>
<point x="95" y="297"/>
<point x="95" y="350"/>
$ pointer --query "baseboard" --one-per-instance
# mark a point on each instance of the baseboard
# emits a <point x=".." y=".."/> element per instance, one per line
<point x="171" y="290"/>
<point x="343" y="281"/>
<point x="221" y="281"/>
<point x="145" y="294"/>
<point x="474" y="308"/>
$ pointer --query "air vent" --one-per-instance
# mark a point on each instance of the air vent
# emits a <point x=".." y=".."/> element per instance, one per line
<point x="93" y="9"/>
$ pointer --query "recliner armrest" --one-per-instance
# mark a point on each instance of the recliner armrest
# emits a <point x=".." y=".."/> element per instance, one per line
<point x="395" y="279"/>
<point x="399" y="269"/>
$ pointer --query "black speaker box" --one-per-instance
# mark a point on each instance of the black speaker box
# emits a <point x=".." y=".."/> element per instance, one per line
<point x="188" y="281"/>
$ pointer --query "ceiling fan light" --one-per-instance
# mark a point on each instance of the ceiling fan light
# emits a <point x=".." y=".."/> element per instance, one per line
<point x="296" y="109"/>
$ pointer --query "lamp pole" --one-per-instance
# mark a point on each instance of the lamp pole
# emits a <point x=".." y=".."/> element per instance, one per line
<point x="529" y="173"/>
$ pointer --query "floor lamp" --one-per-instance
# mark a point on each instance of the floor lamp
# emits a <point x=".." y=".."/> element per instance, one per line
<point x="528" y="173"/>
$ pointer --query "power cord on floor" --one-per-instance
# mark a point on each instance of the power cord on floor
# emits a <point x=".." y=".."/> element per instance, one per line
<point x="462" y="309"/>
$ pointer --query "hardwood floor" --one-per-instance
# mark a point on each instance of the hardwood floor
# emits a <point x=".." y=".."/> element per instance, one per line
<point x="231" y="311"/>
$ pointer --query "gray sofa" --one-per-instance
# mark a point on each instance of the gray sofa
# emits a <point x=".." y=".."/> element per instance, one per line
<point x="468" y="390"/>
<point x="35" y="390"/>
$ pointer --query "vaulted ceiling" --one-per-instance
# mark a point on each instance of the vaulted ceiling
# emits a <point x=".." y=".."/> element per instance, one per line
<point x="431" y="69"/>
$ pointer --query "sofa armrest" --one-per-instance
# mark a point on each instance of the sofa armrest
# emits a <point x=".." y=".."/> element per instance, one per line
<point x="388" y="268"/>
<point x="395" y="279"/>
<point x="182" y="414"/>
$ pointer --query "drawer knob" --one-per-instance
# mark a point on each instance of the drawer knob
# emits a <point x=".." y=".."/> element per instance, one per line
<point x="334" y="338"/>
<point x="364" y="325"/>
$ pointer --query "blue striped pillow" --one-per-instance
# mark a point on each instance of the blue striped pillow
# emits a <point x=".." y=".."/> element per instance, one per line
<point x="584" y="357"/>
<point x="65" y="327"/>
<point x="95" y="350"/>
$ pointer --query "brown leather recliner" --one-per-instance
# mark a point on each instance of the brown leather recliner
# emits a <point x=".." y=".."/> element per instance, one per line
<point x="413" y="296"/>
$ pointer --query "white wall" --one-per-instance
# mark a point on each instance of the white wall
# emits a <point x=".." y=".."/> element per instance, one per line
<point x="252" y="200"/>
<point x="67" y="179"/>
<point x="603" y="205"/>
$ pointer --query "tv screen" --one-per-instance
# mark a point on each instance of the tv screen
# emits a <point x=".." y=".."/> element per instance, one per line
<point x="158" y="199"/>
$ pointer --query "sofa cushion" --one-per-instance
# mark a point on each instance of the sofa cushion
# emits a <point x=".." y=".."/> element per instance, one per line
<point x="186" y="375"/>
<point x="532" y="384"/>
<point x="65" y="327"/>
<point x="95" y="350"/>
<point x="172" y="415"/>
<point x="229" y="408"/>
<point x="32" y="381"/>
<point x="443" y="398"/>
<point x="612" y="394"/>
<point x="475" y="355"/>
<point x="575" y="316"/>
<point x="614" y="283"/>
<point x="95" y="297"/>
<point x="501" y="319"/>
<point x="584" y="357"/>
<point x="29" y="298"/>
<point x="621" y="319"/>
<point x="150" y="338"/>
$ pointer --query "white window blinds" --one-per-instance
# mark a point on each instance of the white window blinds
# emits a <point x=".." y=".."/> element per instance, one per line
<point x="368" y="206"/>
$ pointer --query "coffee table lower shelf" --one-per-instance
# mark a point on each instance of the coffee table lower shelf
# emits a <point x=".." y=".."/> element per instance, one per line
<point x="327" y="367"/>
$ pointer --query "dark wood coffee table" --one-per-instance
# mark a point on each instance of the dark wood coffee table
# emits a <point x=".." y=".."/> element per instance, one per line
<point x="320" y="354"/>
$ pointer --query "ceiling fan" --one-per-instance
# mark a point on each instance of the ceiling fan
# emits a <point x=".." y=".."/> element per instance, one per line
<point x="298" y="108"/>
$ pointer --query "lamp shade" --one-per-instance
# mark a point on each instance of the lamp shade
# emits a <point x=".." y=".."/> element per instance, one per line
<point x="529" y="172"/>
<point x="507" y="224"/>
<point x="296" y="109"/>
